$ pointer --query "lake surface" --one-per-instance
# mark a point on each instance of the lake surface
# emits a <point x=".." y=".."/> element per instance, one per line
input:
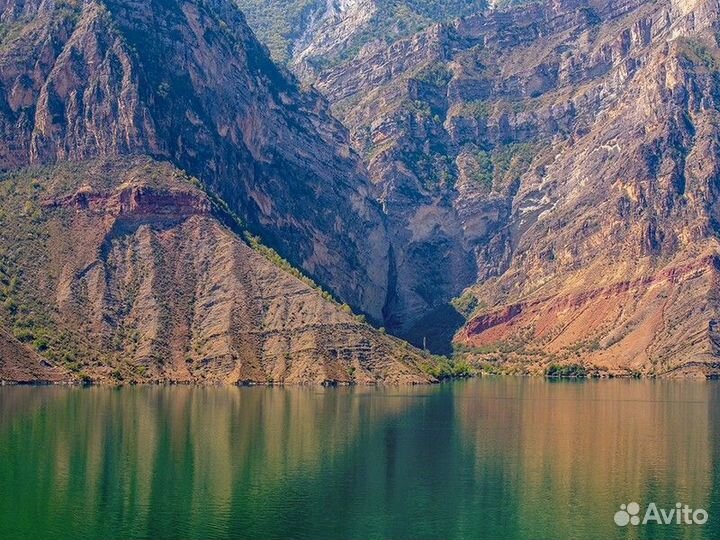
<point x="496" y="458"/>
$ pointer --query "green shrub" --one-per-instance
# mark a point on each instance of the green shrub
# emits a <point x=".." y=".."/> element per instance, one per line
<point x="566" y="371"/>
<point x="477" y="109"/>
<point x="41" y="344"/>
<point x="465" y="304"/>
<point x="441" y="367"/>
<point x="480" y="169"/>
<point x="24" y="334"/>
<point x="511" y="161"/>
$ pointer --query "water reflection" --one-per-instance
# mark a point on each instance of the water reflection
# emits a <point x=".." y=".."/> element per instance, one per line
<point x="497" y="458"/>
<point x="570" y="453"/>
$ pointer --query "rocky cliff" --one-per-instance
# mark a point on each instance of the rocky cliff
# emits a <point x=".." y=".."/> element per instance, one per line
<point x="125" y="270"/>
<point x="616" y="228"/>
<point x="564" y="157"/>
<point x="541" y="180"/>
<point x="187" y="82"/>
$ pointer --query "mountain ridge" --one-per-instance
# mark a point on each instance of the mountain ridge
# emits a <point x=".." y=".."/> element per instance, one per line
<point x="116" y="268"/>
<point x="116" y="78"/>
<point x="528" y="185"/>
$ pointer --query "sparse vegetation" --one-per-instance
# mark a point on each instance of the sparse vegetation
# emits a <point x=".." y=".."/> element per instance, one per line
<point x="230" y="218"/>
<point x="437" y="75"/>
<point x="434" y="170"/>
<point x="479" y="168"/>
<point x="466" y="304"/>
<point x="472" y="109"/>
<point x="278" y="24"/>
<point x="442" y="367"/>
<point x="566" y="371"/>
<point x="702" y="53"/>
<point x="512" y="161"/>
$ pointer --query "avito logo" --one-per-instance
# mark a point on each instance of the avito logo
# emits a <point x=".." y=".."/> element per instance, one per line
<point x="679" y="515"/>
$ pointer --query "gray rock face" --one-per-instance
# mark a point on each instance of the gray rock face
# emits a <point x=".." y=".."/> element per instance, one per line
<point x="310" y="35"/>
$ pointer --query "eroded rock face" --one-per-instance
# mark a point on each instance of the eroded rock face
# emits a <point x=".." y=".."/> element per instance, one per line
<point x="332" y="29"/>
<point x="564" y="148"/>
<point x="557" y="162"/>
<point x="131" y="274"/>
<point x="661" y="324"/>
<point x="188" y="82"/>
<point x="632" y="198"/>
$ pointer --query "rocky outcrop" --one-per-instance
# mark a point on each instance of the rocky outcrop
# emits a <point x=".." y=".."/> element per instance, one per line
<point x="662" y="325"/>
<point x="555" y="166"/>
<point x="187" y="82"/>
<point x="333" y="28"/>
<point x="631" y="196"/>
<point x="131" y="273"/>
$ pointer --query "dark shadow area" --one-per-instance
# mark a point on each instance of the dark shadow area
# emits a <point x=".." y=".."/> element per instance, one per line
<point x="435" y="330"/>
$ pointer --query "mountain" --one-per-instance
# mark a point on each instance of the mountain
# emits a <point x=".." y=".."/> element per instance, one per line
<point x="125" y="270"/>
<point x="187" y="82"/>
<point x="310" y="35"/>
<point x="531" y="186"/>
<point x="559" y="163"/>
<point x="116" y="266"/>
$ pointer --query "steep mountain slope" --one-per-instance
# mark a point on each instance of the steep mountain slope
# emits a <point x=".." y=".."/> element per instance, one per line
<point x="188" y="82"/>
<point x="565" y="157"/>
<point x="20" y="363"/>
<point x="312" y="34"/>
<point x="125" y="270"/>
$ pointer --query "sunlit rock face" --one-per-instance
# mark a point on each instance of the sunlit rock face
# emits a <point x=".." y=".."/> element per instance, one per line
<point x="552" y="167"/>
<point x="559" y="161"/>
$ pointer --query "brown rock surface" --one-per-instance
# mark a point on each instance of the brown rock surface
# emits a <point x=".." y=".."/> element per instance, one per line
<point x="20" y="364"/>
<point x="556" y="164"/>
<point x="123" y="271"/>
<point x="657" y="324"/>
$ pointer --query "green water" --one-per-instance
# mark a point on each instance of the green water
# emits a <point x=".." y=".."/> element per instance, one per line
<point x="499" y="458"/>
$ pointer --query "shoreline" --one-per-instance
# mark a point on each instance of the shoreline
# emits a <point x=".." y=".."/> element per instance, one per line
<point x="340" y="384"/>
